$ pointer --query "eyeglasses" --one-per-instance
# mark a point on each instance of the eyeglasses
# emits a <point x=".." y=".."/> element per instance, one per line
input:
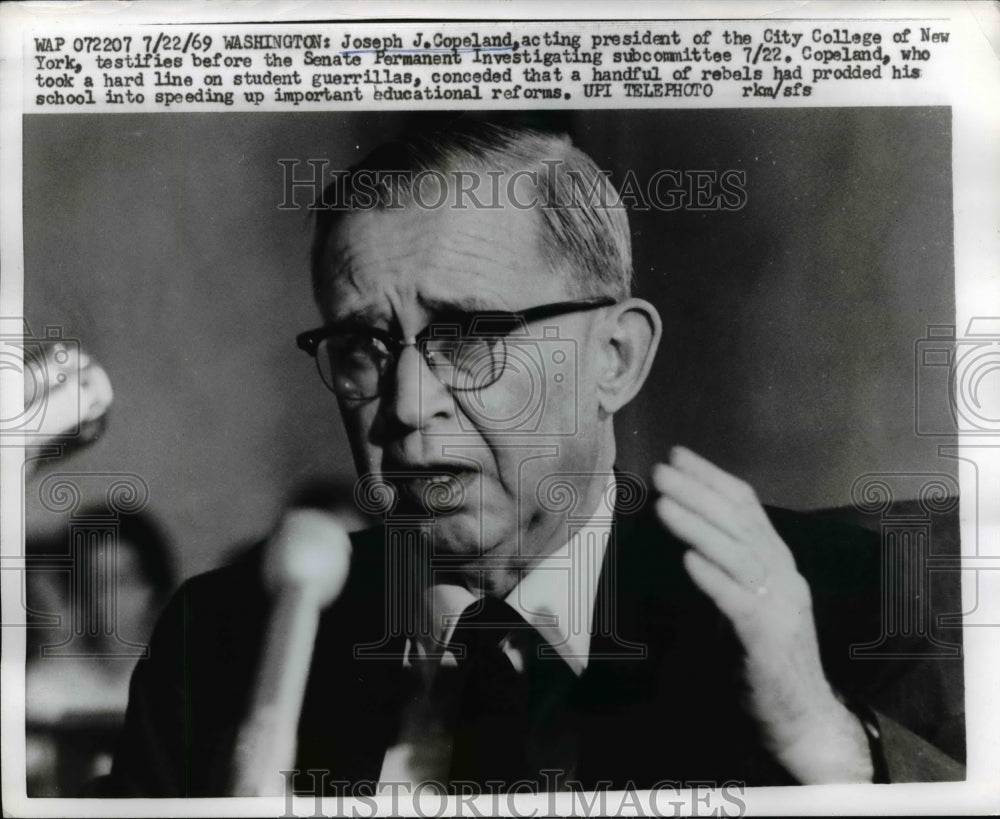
<point x="465" y="351"/>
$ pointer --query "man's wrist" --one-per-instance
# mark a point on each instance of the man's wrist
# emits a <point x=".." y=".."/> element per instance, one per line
<point x="834" y="749"/>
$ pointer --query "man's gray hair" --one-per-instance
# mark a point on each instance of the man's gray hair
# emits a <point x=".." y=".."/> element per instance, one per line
<point x="585" y="230"/>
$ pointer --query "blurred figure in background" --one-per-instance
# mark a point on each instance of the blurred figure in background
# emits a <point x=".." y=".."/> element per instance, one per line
<point x="92" y="620"/>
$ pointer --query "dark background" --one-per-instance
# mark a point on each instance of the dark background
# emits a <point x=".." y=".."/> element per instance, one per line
<point x="790" y="325"/>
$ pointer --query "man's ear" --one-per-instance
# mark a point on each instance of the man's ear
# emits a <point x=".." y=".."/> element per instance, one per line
<point x="629" y="338"/>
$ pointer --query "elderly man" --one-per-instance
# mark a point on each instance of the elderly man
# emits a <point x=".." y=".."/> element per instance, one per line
<point x="526" y="612"/>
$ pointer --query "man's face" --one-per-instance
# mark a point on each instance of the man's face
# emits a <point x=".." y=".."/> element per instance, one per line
<point x="399" y="270"/>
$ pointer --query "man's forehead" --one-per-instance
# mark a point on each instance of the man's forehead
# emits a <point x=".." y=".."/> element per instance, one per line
<point x="437" y="259"/>
<point x="498" y="212"/>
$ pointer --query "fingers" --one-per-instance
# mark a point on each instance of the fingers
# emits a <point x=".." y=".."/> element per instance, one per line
<point x="719" y="516"/>
<point x="736" y="491"/>
<point x="711" y="541"/>
<point x="722" y="500"/>
<point x="698" y="497"/>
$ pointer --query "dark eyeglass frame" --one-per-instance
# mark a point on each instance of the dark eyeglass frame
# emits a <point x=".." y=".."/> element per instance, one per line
<point x="485" y="324"/>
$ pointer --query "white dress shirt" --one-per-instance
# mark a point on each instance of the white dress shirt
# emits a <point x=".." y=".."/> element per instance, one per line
<point x="556" y="597"/>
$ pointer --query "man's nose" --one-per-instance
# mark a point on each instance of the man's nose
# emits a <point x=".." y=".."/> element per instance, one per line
<point x="416" y="396"/>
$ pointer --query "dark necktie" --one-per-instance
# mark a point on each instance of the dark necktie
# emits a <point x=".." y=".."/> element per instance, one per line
<point x="490" y="723"/>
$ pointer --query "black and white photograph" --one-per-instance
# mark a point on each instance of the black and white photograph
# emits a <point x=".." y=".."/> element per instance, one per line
<point x="484" y="453"/>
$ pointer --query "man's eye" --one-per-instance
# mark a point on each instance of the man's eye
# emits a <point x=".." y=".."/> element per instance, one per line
<point x="366" y="344"/>
<point x="359" y="347"/>
<point x="467" y="363"/>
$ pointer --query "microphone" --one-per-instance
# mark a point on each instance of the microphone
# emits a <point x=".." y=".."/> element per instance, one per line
<point x="67" y="395"/>
<point x="305" y="566"/>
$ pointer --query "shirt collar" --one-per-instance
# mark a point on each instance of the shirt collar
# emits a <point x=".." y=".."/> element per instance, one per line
<point x="556" y="597"/>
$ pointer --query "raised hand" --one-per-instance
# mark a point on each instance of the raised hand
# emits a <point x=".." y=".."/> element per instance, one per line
<point x="740" y="562"/>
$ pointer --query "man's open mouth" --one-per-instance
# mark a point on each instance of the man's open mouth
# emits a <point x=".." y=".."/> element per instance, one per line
<point x="440" y="490"/>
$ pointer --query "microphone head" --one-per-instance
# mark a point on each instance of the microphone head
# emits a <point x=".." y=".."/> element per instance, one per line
<point x="67" y="394"/>
<point x="310" y="552"/>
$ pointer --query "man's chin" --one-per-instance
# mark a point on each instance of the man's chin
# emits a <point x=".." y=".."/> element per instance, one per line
<point x="458" y="533"/>
<point x="464" y="532"/>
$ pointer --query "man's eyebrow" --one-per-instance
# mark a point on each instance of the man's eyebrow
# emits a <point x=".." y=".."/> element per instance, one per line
<point x="374" y="316"/>
<point x="467" y="304"/>
<point x="371" y="316"/>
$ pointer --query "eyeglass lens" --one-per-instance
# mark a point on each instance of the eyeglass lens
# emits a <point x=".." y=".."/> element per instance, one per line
<point x="353" y="365"/>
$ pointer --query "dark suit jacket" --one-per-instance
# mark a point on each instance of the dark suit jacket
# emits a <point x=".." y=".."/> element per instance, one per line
<point x="659" y="700"/>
